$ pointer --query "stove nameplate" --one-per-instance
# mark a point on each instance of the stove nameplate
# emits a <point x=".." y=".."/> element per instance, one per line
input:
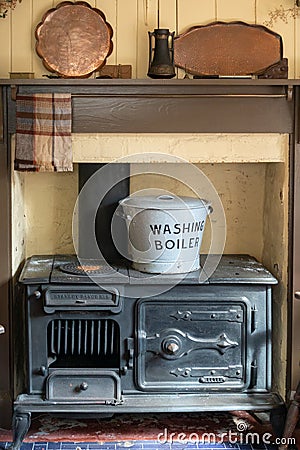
<point x="72" y="297"/>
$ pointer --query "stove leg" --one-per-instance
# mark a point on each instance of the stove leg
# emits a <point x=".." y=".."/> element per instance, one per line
<point x="20" y="426"/>
<point x="262" y="417"/>
<point x="291" y="419"/>
<point x="277" y="419"/>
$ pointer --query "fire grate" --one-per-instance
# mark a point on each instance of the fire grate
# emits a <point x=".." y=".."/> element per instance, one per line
<point x="83" y="343"/>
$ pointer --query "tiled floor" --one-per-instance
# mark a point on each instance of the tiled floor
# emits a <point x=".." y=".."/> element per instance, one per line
<point x="140" y="427"/>
<point x="141" y="445"/>
<point x="153" y="432"/>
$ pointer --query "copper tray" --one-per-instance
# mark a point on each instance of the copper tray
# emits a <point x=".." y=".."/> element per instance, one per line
<point x="232" y="48"/>
<point x="73" y="39"/>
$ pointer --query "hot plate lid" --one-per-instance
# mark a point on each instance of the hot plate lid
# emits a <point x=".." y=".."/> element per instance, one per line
<point x="69" y="269"/>
<point x="85" y="268"/>
<point x="64" y="269"/>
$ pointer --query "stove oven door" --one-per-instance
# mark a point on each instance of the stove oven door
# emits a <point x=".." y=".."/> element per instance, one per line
<point x="193" y="344"/>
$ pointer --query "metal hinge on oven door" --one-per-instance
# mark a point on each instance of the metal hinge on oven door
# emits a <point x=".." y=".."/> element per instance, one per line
<point x="253" y="374"/>
<point x="254" y="313"/>
<point x="129" y="350"/>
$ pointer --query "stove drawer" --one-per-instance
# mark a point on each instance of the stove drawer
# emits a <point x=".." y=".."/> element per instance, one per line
<point x="196" y="344"/>
<point x="85" y="386"/>
<point x="72" y="298"/>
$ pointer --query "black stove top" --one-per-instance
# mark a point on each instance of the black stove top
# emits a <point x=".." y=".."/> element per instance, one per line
<point x="67" y="269"/>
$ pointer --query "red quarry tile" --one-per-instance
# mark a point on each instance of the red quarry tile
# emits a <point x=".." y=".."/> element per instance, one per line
<point x="46" y="428"/>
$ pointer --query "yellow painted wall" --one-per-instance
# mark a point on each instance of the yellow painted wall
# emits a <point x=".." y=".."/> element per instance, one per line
<point x="132" y="19"/>
<point x="235" y="164"/>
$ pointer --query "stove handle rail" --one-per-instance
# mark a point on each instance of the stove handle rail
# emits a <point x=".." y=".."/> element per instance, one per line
<point x="174" y="344"/>
<point x="288" y="95"/>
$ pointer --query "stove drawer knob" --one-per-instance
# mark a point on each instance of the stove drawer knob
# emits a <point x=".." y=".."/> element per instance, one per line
<point x="172" y="348"/>
<point x="83" y="386"/>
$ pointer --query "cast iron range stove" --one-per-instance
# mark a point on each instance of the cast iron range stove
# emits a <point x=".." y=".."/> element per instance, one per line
<point x="92" y="350"/>
<point x="91" y="346"/>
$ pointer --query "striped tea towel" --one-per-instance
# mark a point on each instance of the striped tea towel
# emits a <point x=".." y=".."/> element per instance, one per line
<point x="43" y="134"/>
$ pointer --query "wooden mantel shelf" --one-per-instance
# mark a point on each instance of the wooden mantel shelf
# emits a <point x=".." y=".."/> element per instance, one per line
<point x="149" y="82"/>
<point x="170" y="106"/>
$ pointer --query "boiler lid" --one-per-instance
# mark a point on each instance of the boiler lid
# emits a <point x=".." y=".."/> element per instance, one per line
<point x="165" y="202"/>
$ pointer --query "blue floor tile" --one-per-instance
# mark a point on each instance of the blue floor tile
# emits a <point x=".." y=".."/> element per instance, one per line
<point x="137" y="445"/>
<point x="39" y="446"/>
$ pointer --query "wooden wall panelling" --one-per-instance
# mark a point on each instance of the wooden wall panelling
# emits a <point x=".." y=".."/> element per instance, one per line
<point x="193" y="12"/>
<point x="297" y="43"/>
<point x="168" y="15"/>
<point x="54" y="3"/>
<point x="229" y="10"/>
<point x="109" y="8"/>
<point x="39" y="8"/>
<point x="21" y="44"/>
<point x="128" y="21"/>
<point x="282" y="22"/>
<point x="127" y="38"/>
<point x="5" y="39"/>
<point x="147" y="21"/>
<point x="168" y="18"/>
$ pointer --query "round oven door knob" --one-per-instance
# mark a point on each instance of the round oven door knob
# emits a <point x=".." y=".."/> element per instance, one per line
<point x="172" y="348"/>
<point x="84" y="386"/>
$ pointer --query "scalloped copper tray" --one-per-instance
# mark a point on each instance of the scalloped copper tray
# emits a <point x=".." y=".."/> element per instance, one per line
<point x="73" y="39"/>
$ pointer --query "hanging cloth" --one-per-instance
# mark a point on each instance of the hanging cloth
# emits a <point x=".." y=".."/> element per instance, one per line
<point x="43" y="133"/>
